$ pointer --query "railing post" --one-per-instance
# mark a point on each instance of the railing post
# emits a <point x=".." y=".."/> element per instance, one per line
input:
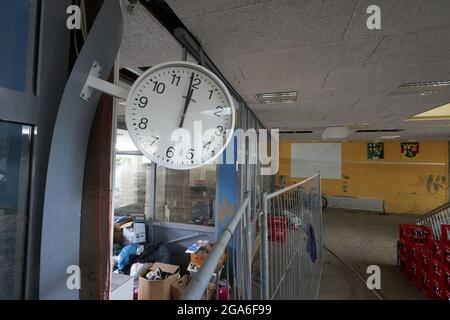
<point x="264" y="256"/>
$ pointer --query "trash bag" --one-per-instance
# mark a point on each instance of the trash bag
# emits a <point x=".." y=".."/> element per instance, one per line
<point x="137" y="268"/>
<point x="154" y="253"/>
<point x="126" y="256"/>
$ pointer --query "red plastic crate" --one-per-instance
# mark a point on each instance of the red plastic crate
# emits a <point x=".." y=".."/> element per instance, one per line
<point x="425" y="260"/>
<point x="436" y="272"/>
<point x="416" y="253"/>
<point x="406" y="232"/>
<point x="415" y="274"/>
<point x="436" y="249"/>
<point x="278" y="227"/>
<point x="424" y="282"/>
<point x="445" y="243"/>
<point x="445" y="234"/>
<point x="446" y="257"/>
<point x="422" y="235"/>
<point x="436" y="291"/>
<point x="446" y="280"/>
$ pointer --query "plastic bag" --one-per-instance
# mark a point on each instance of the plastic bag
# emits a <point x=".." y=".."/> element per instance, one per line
<point x="137" y="268"/>
<point x="125" y="256"/>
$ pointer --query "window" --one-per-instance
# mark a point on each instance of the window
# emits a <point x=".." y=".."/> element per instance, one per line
<point x="132" y="178"/>
<point x="14" y="173"/>
<point x="132" y="172"/>
<point x="17" y="27"/>
<point x="186" y="196"/>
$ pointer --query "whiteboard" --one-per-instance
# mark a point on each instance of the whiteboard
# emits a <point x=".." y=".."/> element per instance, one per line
<point x="309" y="158"/>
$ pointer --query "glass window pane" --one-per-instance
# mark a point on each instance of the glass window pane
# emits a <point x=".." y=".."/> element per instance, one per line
<point x="16" y="22"/>
<point x="131" y="181"/>
<point x="14" y="173"/>
<point x="186" y="196"/>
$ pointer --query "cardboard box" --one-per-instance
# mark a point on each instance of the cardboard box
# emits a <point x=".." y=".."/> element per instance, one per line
<point x="200" y="256"/>
<point x="158" y="289"/>
<point x="118" y="238"/>
<point x="180" y="285"/>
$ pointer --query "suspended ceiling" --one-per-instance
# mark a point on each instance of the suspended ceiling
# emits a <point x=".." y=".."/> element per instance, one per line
<point x="342" y="70"/>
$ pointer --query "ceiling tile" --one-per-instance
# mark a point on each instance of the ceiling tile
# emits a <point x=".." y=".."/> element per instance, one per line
<point x="321" y="57"/>
<point x="193" y="8"/>
<point x="412" y="48"/>
<point x="400" y="16"/>
<point x="145" y="41"/>
<point x="271" y="25"/>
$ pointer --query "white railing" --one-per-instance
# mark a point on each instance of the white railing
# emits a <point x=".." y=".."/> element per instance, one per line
<point x="291" y="242"/>
<point x="435" y="218"/>
<point x="287" y="234"/>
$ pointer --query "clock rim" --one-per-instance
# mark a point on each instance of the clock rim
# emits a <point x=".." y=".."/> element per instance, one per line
<point x="199" y="68"/>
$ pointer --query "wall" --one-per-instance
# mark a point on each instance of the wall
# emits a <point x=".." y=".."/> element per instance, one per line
<point x="406" y="186"/>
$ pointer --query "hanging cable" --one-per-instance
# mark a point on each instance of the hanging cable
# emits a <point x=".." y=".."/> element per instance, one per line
<point x="83" y="19"/>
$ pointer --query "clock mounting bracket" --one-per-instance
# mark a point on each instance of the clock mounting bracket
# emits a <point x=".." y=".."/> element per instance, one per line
<point x="94" y="82"/>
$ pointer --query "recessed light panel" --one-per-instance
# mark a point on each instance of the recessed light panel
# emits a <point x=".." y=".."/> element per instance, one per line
<point x="277" y="97"/>
<point x="422" y="88"/>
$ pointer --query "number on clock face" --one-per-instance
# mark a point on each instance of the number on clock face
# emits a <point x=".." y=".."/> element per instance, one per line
<point x="180" y="115"/>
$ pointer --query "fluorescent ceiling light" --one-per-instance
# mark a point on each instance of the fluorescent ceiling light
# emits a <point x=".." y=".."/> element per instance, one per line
<point x="438" y="83"/>
<point x="413" y="93"/>
<point x="422" y="88"/>
<point x="277" y="97"/>
<point x="439" y="113"/>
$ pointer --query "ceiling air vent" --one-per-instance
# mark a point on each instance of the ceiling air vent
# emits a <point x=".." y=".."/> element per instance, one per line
<point x="422" y="88"/>
<point x="277" y="97"/>
<point x="378" y="130"/>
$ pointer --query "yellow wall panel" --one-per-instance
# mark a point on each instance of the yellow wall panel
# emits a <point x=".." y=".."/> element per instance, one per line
<point x="406" y="186"/>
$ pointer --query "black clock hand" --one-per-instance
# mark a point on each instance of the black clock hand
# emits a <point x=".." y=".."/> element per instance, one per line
<point x="188" y="100"/>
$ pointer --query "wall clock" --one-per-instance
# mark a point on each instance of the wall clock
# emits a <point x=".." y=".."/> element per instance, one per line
<point x="177" y="97"/>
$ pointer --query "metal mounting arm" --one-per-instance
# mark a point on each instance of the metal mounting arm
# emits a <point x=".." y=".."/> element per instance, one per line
<point x="93" y="82"/>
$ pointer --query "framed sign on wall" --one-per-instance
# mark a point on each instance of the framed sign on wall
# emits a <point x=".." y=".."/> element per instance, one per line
<point x="375" y="150"/>
<point x="410" y="150"/>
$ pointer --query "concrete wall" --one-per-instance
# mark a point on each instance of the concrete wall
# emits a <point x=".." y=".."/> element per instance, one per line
<point x="405" y="186"/>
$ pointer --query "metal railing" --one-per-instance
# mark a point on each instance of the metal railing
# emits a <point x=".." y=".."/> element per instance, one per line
<point x="287" y="234"/>
<point x="291" y="242"/>
<point x="434" y="219"/>
<point x="237" y="243"/>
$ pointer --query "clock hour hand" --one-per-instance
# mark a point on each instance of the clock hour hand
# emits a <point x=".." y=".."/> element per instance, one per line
<point x="188" y="100"/>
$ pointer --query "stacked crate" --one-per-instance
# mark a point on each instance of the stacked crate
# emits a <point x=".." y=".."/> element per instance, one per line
<point x="426" y="261"/>
<point x="278" y="228"/>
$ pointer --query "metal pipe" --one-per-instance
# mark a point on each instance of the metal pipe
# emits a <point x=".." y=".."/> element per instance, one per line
<point x="276" y="193"/>
<point x="189" y="236"/>
<point x="199" y="283"/>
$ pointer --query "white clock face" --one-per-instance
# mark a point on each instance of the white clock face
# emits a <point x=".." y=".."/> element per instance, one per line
<point x="180" y="115"/>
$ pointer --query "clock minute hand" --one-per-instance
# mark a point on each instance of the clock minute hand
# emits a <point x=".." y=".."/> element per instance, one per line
<point x="188" y="100"/>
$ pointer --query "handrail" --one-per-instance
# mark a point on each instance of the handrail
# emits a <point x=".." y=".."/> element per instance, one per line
<point x="278" y="192"/>
<point x="433" y="212"/>
<point x="435" y="218"/>
<point x="199" y="282"/>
